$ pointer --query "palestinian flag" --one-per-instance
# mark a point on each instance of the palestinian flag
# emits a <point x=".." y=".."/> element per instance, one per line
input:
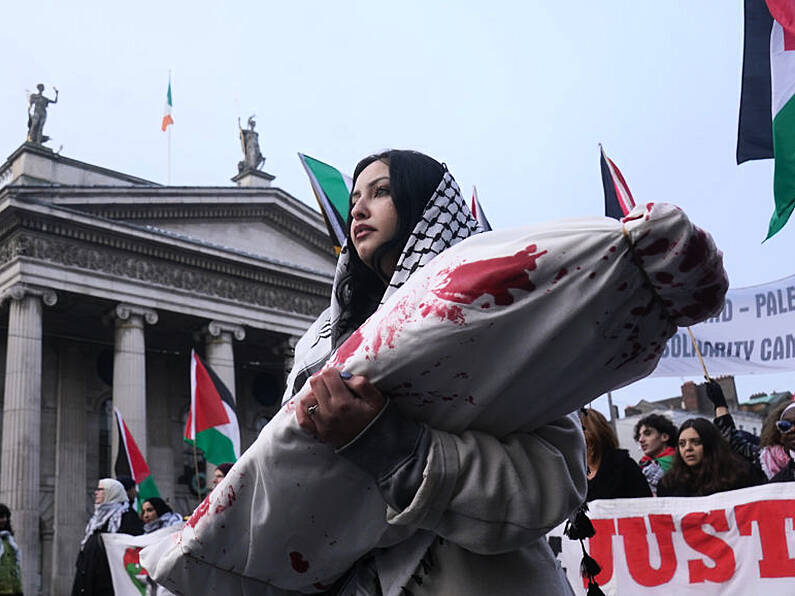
<point x="332" y="190"/>
<point x="477" y="211"/>
<point x="618" y="198"/>
<point x="767" y="107"/>
<point x="130" y="462"/>
<point x="212" y="420"/>
<point x="167" y="119"/>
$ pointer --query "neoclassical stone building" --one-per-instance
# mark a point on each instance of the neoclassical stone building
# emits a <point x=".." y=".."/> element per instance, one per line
<point x="107" y="281"/>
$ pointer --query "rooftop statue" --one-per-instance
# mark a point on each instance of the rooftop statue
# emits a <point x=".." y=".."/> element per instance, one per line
<point x="249" y="140"/>
<point x="37" y="114"/>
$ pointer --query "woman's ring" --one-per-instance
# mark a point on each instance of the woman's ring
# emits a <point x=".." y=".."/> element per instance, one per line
<point x="312" y="409"/>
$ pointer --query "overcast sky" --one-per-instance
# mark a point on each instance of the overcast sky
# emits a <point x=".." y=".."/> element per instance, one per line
<point x="513" y="96"/>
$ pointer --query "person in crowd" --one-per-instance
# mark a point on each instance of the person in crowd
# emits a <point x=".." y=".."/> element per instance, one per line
<point x="112" y="513"/>
<point x="10" y="574"/>
<point x="656" y="436"/>
<point x="612" y="473"/>
<point x="785" y="425"/>
<point x="156" y="514"/>
<point x="479" y="504"/>
<point x="768" y="455"/>
<point x="131" y="489"/>
<point x="775" y="455"/>
<point x="704" y="464"/>
<point x="220" y="473"/>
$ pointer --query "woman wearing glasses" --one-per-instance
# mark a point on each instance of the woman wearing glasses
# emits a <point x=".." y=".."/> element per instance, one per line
<point x="785" y="425"/>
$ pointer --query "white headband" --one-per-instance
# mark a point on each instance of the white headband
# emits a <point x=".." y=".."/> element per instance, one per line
<point x="785" y="410"/>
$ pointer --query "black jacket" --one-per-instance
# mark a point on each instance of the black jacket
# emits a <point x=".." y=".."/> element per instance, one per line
<point x="618" y="477"/>
<point x="785" y="474"/>
<point x="93" y="573"/>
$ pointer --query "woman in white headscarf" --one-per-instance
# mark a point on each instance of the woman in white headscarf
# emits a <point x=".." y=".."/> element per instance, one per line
<point x="112" y="514"/>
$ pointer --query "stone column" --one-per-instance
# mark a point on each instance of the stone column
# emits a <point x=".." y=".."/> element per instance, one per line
<point x="21" y="443"/>
<point x="218" y="337"/>
<point x="220" y="356"/>
<point x="129" y="370"/>
<point x="70" y="466"/>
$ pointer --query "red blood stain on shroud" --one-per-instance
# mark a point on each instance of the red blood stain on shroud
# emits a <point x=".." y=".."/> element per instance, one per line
<point x="655" y="248"/>
<point x="695" y="251"/>
<point x="561" y="274"/>
<point x="348" y="347"/>
<point x="298" y="562"/>
<point x="453" y="314"/>
<point x="468" y="282"/>
<point x="199" y="512"/>
<point x="230" y="499"/>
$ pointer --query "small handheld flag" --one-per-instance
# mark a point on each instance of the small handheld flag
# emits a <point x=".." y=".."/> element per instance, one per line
<point x="618" y="198"/>
<point x="130" y="462"/>
<point x="212" y="420"/>
<point x="332" y="190"/>
<point x="477" y="211"/>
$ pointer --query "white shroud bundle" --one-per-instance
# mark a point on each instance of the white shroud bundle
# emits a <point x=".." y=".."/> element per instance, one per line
<point x="504" y="330"/>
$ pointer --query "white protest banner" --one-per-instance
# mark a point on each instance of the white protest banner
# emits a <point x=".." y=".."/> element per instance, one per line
<point x="128" y="575"/>
<point x="754" y="333"/>
<point x="734" y="543"/>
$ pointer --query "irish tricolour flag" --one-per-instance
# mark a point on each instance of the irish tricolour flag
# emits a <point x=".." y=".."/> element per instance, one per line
<point x="167" y="119"/>
<point x="130" y="462"/>
<point x="212" y="420"/>
<point x="332" y="190"/>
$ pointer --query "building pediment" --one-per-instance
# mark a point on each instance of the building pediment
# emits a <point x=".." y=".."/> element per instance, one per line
<point x="66" y="249"/>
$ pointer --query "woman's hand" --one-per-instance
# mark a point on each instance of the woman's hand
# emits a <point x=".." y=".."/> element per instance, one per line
<point x="339" y="406"/>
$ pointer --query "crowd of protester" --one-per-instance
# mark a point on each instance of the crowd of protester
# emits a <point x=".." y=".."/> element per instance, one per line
<point x="699" y="458"/>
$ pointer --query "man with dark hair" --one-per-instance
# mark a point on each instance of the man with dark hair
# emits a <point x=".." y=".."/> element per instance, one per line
<point x="131" y="490"/>
<point x="656" y="435"/>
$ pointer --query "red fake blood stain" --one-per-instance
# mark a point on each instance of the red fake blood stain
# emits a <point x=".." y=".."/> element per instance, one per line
<point x="695" y="251"/>
<point x="230" y="499"/>
<point x="561" y="274"/>
<point x="664" y="277"/>
<point x="657" y="247"/>
<point x="199" y="512"/>
<point x="391" y="326"/>
<point x="298" y="562"/>
<point x="347" y="349"/>
<point x="454" y="314"/>
<point x="468" y="282"/>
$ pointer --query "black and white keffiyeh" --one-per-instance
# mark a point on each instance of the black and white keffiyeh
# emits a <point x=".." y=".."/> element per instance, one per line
<point x="109" y="513"/>
<point x="167" y="519"/>
<point x="445" y="222"/>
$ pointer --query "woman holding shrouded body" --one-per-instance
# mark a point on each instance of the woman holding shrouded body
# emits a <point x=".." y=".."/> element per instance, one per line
<point x="704" y="464"/>
<point x="480" y="504"/>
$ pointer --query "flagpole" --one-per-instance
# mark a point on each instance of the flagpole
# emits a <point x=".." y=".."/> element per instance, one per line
<point x="196" y="469"/>
<point x="168" y="175"/>
<point x="168" y="178"/>
<point x="698" y="353"/>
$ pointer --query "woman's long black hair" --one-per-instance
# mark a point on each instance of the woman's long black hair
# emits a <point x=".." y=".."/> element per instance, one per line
<point x="413" y="178"/>
<point x="4" y="510"/>
<point x="159" y="505"/>
<point x="720" y="468"/>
